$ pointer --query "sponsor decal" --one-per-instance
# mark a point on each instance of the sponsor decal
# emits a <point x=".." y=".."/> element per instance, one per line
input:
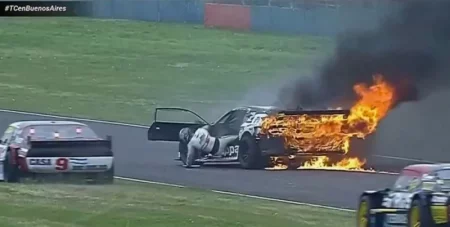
<point x="78" y="161"/>
<point x="40" y="162"/>
<point x="83" y="164"/>
<point x="439" y="199"/>
<point x="396" y="219"/>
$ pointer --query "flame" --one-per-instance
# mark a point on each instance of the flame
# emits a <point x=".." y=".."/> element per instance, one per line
<point x="327" y="133"/>
<point x="345" y="164"/>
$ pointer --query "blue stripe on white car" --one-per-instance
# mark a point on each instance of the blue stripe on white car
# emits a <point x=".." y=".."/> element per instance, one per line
<point x="78" y="161"/>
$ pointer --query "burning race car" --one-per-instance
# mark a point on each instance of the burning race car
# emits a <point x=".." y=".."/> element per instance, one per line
<point x="59" y="149"/>
<point x="275" y="136"/>
<point x="419" y="197"/>
<point x="261" y="133"/>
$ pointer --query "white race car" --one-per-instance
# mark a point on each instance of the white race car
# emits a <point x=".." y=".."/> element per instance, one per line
<point x="251" y="149"/>
<point x="55" y="149"/>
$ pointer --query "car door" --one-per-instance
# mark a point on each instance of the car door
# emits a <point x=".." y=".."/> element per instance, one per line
<point x="168" y="122"/>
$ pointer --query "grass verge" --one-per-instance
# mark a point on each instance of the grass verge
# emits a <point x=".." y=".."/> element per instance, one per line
<point x="120" y="70"/>
<point x="129" y="204"/>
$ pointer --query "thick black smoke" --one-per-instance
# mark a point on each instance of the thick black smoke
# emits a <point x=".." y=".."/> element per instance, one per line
<point x="411" y="49"/>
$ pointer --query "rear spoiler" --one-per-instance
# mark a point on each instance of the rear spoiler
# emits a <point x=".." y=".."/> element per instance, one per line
<point x="70" y="148"/>
<point x="315" y="112"/>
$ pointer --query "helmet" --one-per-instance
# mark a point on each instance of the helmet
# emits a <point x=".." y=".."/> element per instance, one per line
<point x="186" y="134"/>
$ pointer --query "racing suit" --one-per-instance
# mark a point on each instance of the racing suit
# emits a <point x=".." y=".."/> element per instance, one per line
<point x="204" y="142"/>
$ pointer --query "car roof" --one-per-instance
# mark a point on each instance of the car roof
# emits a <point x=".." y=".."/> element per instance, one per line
<point x="427" y="168"/>
<point x="24" y="124"/>
<point x="259" y="108"/>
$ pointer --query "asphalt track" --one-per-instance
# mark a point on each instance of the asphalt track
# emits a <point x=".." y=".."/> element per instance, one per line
<point x="138" y="158"/>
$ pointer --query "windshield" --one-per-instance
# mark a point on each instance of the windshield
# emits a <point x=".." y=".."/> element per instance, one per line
<point x="408" y="180"/>
<point x="49" y="132"/>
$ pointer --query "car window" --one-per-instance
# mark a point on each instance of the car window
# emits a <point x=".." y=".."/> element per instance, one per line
<point x="7" y="135"/>
<point x="408" y="180"/>
<point x="236" y="119"/>
<point x="225" y="118"/>
<point x="443" y="174"/>
<point x="249" y="117"/>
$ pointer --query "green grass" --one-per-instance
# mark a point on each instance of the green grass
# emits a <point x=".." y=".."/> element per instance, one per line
<point x="141" y="205"/>
<point x="121" y="70"/>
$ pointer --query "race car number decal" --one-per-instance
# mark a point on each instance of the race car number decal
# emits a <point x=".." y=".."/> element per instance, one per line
<point x="62" y="164"/>
<point x="397" y="200"/>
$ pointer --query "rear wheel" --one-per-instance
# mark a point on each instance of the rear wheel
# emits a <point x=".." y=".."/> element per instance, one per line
<point x="108" y="177"/>
<point x="250" y="156"/>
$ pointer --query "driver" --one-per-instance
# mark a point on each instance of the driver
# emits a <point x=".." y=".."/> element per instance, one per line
<point x="202" y="141"/>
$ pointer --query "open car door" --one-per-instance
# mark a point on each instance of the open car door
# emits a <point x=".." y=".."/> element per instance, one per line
<point x="169" y="121"/>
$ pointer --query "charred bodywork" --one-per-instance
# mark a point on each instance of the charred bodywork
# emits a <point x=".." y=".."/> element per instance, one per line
<point x="63" y="150"/>
<point x="286" y="133"/>
<point x="262" y="132"/>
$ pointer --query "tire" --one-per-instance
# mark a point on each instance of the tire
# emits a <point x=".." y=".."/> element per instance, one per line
<point x="11" y="172"/>
<point x="415" y="214"/>
<point x="363" y="212"/>
<point x="109" y="176"/>
<point x="250" y="156"/>
<point x="106" y="177"/>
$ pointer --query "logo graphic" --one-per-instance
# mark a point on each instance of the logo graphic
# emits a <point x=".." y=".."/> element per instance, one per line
<point x="78" y="161"/>
<point x="40" y="162"/>
<point x="81" y="164"/>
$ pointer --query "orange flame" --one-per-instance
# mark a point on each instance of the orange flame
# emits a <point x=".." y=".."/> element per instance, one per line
<point x="306" y="133"/>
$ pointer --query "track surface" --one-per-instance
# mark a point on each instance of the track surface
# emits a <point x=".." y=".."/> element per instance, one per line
<point x="138" y="158"/>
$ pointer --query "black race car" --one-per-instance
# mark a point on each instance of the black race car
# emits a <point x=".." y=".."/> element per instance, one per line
<point x="419" y="197"/>
<point x="252" y="149"/>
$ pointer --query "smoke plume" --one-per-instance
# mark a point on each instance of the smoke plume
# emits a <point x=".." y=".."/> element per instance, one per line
<point x="410" y="49"/>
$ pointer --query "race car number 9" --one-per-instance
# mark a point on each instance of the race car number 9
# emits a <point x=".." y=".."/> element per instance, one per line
<point x="62" y="164"/>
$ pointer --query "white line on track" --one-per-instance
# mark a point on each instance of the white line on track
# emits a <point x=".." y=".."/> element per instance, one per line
<point x="405" y="159"/>
<point x="238" y="194"/>
<point x="283" y="201"/>
<point x="149" y="182"/>
<point x="181" y="186"/>
<point x="73" y="118"/>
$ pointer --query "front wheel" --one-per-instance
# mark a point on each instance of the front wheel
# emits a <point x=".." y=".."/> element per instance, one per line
<point x="363" y="215"/>
<point x="414" y="215"/>
<point x="250" y="156"/>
